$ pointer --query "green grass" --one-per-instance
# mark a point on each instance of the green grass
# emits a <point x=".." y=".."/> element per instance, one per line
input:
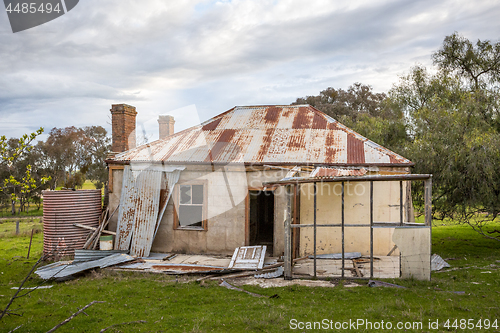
<point x="170" y="306"/>
<point x="33" y="211"/>
<point x="88" y="185"/>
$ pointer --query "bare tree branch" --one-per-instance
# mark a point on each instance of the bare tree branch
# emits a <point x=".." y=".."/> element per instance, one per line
<point x="21" y="287"/>
<point x="15" y="328"/>
<point x="73" y="316"/>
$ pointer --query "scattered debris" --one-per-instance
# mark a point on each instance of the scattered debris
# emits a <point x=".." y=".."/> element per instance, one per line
<point x="248" y="257"/>
<point x="33" y="288"/>
<point x="228" y="286"/>
<point x="438" y="263"/>
<point x="187" y="268"/>
<point x="486" y="272"/>
<point x="94" y="229"/>
<point x="63" y="270"/>
<point x="280" y="282"/>
<point x="89" y="255"/>
<point x="347" y="255"/>
<point x="356" y="268"/>
<point x="270" y="275"/>
<point x="170" y="257"/>
<point x="93" y="239"/>
<point x="375" y="283"/>
<point x="452" y="269"/>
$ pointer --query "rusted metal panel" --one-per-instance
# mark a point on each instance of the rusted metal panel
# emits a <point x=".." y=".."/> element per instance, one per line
<point x="248" y="257"/>
<point x="147" y="185"/>
<point x="290" y="134"/>
<point x="126" y="211"/>
<point x="61" y="210"/>
<point x="140" y="213"/>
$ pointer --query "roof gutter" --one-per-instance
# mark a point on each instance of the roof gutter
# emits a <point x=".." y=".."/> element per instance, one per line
<point x="411" y="164"/>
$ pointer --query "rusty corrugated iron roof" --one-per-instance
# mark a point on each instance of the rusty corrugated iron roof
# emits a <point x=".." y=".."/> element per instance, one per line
<point x="321" y="172"/>
<point x="288" y="134"/>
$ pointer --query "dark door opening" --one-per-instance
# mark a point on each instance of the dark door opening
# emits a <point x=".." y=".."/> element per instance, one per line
<point x="262" y="219"/>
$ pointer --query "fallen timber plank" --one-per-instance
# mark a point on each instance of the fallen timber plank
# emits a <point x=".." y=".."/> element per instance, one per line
<point x="94" y="229"/>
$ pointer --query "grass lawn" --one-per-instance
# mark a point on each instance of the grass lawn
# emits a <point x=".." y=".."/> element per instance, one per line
<point x="33" y="211"/>
<point x="169" y="305"/>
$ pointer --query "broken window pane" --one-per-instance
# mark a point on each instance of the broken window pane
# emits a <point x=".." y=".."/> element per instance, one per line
<point x="185" y="194"/>
<point x="190" y="207"/>
<point x="191" y="216"/>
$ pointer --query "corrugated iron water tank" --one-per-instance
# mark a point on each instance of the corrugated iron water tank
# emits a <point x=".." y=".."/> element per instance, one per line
<point x="61" y="209"/>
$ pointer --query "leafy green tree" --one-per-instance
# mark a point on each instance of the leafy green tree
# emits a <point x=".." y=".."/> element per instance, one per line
<point x="478" y="64"/>
<point x="74" y="154"/>
<point x="453" y="137"/>
<point x="370" y="114"/>
<point x="98" y="145"/>
<point x="18" y="180"/>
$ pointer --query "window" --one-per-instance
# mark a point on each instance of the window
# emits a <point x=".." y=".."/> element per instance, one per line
<point x="190" y="206"/>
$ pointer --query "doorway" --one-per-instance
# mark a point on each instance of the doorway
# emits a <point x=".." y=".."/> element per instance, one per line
<point x="261" y="219"/>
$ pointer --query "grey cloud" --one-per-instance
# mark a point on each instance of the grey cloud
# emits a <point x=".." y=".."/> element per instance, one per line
<point x="219" y="55"/>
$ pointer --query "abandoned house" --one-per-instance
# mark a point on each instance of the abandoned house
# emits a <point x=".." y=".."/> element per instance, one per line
<point x="226" y="183"/>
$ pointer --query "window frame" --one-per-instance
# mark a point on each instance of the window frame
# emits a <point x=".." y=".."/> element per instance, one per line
<point x="204" y="209"/>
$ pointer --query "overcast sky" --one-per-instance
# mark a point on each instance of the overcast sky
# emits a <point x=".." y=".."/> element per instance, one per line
<point x="195" y="59"/>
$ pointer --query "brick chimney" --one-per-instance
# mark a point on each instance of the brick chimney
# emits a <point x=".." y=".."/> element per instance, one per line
<point x="123" y="125"/>
<point x="166" y="126"/>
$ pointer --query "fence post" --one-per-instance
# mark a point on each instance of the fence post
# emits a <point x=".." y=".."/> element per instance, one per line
<point x="288" y="235"/>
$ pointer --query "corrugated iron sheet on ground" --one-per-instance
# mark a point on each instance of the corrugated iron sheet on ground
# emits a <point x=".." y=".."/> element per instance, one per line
<point x="270" y="275"/>
<point x="64" y="270"/>
<point x="89" y="255"/>
<point x="286" y="134"/>
<point x="151" y="266"/>
<point x="438" y="263"/>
